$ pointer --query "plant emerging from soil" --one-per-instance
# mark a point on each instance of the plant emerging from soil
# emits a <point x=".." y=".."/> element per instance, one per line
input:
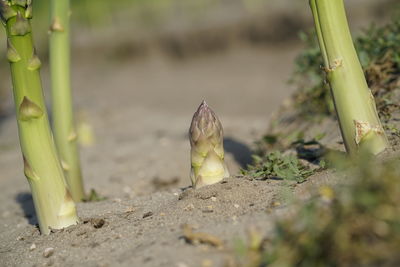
<point x="207" y="149"/>
<point x="354" y="102"/>
<point x="349" y="225"/>
<point x="52" y="199"/>
<point x="63" y="118"/>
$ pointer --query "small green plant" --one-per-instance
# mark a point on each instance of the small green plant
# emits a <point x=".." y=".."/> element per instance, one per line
<point x="93" y="196"/>
<point x="207" y="148"/>
<point x="54" y="206"/>
<point x="63" y="117"/>
<point x="277" y="165"/>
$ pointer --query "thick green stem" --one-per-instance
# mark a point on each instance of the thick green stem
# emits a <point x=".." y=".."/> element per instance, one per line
<point x="354" y="103"/>
<point x="63" y="118"/>
<point x="53" y="203"/>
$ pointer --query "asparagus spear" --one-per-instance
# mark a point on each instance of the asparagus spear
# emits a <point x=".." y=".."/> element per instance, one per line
<point x="63" y="118"/>
<point x="354" y="103"/>
<point x="207" y="151"/>
<point x="53" y="203"/>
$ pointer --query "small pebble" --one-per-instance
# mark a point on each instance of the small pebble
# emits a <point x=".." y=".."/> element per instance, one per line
<point x="118" y="236"/>
<point x="189" y="207"/>
<point x="48" y="252"/>
<point x="32" y="247"/>
<point x="236" y="206"/>
<point x="213" y="199"/>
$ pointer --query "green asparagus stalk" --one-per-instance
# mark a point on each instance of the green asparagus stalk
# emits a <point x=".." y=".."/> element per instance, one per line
<point x="54" y="206"/>
<point x="207" y="150"/>
<point x="63" y="117"/>
<point x="355" y="105"/>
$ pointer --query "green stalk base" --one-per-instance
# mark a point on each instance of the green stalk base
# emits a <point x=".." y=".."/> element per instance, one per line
<point x="54" y="206"/>
<point x="355" y="106"/>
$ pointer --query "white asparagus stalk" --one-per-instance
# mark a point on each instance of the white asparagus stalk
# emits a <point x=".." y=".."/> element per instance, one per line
<point x="207" y="149"/>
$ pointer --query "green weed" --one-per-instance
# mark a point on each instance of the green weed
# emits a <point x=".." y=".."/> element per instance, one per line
<point x="277" y="165"/>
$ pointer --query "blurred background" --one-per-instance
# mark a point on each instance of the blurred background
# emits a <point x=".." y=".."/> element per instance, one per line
<point x="130" y="31"/>
<point x="140" y="68"/>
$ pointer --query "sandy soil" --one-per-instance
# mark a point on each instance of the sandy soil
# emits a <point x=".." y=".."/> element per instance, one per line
<point x="140" y="110"/>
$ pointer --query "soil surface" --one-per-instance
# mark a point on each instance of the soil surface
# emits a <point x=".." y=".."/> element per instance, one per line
<point x="140" y="113"/>
<point x="139" y="110"/>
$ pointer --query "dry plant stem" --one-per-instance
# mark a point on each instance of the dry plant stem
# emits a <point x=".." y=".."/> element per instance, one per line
<point x="207" y="151"/>
<point x="63" y="117"/>
<point x="54" y="206"/>
<point x="355" y="106"/>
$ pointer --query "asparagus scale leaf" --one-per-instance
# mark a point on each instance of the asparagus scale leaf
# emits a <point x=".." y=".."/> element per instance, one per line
<point x="354" y="103"/>
<point x="63" y="117"/>
<point x="54" y="206"/>
<point x="207" y="150"/>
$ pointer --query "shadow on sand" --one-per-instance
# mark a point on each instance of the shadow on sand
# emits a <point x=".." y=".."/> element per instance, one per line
<point x="26" y="202"/>
<point x="241" y="152"/>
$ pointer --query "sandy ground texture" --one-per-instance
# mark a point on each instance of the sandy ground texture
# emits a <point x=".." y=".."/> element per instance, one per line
<point x="140" y="111"/>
